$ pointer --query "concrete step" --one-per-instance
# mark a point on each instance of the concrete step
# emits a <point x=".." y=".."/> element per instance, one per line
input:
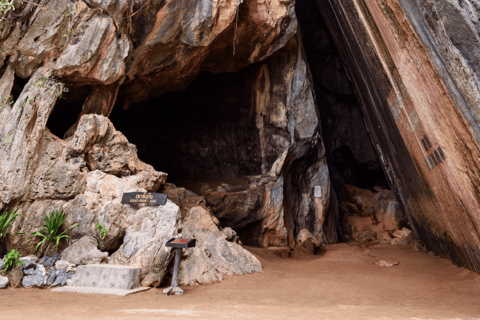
<point x="106" y="279"/>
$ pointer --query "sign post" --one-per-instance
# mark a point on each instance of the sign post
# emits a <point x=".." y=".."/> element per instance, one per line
<point x="178" y="244"/>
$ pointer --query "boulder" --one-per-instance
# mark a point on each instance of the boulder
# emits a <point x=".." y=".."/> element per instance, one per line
<point x="388" y="209"/>
<point x="62" y="264"/>
<point x="84" y="251"/>
<point x="384" y="237"/>
<point x="404" y="236"/>
<point x="144" y="242"/>
<point x="15" y="276"/>
<point x="29" y="261"/>
<point x="357" y="223"/>
<point x="52" y="274"/>
<point x="379" y="212"/>
<point x="213" y="257"/>
<point x="254" y="210"/>
<point x="49" y="262"/>
<point x="4" y="282"/>
<point x="305" y="237"/>
<point x="363" y="199"/>
<point x="35" y="278"/>
<point x="60" y="277"/>
<point x="231" y="235"/>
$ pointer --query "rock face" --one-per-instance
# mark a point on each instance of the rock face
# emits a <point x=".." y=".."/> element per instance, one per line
<point x="4" y="282"/>
<point x="84" y="251"/>
<point x="125" y="53"/>
<point x="414" y="66"/>
<point x="145" y="241"/>
<point x="62" y="180"/>
<point x="213" y="256"/>
<point x="370" y="215"/>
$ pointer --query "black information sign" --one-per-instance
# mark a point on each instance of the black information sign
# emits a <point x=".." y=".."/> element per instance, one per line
<point x="144" y="197"/>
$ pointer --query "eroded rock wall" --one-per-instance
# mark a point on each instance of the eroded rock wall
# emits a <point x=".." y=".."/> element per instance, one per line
<point x="124" y="52"/>
<point x="413" y="68"/>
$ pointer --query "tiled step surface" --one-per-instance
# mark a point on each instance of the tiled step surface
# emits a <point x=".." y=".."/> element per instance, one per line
<point x="106" y="279"/>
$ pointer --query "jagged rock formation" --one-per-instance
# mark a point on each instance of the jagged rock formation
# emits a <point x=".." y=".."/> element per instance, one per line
<point x="413" y="66"/>
<point x="254" y="132"/>
<point x="213" y="256"/>
<point x="123" y="53"/>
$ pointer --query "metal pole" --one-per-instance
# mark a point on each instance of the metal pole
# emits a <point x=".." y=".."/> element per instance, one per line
<point x="174" y="289"/>
<point x="178" y="255"/>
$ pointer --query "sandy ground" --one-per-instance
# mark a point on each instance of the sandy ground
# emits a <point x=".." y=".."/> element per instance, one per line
<point x="343" y="283"/>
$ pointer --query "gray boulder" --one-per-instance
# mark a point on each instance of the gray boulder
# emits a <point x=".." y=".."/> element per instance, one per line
<point x="49" y="262"/>
<point x="52" y="274"/>
<point x="144" y="242"/>
<point x="84" y="251"/>
<point x="60" y="279"/>
<point x="29" y="261"/>
<point x="213" y="256"/>
<point x="62" y="264"/>
<point x="1" y="264"/>
<point x="4" y="282"/>
<point x="36" y="278"/>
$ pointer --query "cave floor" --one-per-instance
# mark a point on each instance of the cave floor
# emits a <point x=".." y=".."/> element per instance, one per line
<point x="343" y="283"/>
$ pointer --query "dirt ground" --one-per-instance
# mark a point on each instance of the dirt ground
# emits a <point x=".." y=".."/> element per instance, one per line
<point x="343" y="283"/>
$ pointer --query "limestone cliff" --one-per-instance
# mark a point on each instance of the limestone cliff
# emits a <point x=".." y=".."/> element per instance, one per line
<point x="414" y="69"/>
<point x="57" y="56"/>
<point x="220" y="94"/>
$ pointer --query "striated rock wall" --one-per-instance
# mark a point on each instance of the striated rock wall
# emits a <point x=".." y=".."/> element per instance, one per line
<point x="413" y="65"/>
<point x="101" y="54"/>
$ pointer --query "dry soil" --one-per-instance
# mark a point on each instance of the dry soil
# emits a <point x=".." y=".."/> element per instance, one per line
<point x="343" y="283"/>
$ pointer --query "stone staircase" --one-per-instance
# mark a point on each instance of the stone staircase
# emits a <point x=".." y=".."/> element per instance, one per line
<point x="105" y="279"/>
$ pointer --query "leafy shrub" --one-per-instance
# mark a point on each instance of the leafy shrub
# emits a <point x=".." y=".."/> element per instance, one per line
<point x="6" y="220"/>
<point x="49" y="233"/>
<point x="11" y="260"/>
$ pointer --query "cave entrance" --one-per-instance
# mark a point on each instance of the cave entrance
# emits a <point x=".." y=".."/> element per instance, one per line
<point x="199" y="135"/>
<point x="206" y="137"/>
<point x="355" y="169"/>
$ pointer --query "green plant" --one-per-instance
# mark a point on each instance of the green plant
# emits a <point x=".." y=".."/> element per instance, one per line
<point x="44" y="81"/>
<point x="6" y="223"/>
<point x="102" y="231"/>
<point x="6" y="5"/>
<point x="11" y="260"/>
<point x="50" y="230"/>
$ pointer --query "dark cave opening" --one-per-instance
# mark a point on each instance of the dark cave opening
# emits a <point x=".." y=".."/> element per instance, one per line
<point x="208" y="133"/>
<point x="349" y="149"/>
<point x="67" y="109"/>
<point x="351" y="155"/>
<point x="203" y="133"/>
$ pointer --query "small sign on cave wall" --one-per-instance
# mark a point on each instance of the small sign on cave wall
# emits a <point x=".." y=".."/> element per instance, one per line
<point x="144" y="197"/>
<point x="318" y="191"/>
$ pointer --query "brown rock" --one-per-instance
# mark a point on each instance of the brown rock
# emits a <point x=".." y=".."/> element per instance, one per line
<point x="213" y="257"/>
<point x="357" y="223"/>
<point x="15" y="276"/>
<point x="388" y="210"/>
<point x="144" y="241"/>
<point x="364" y="200"/>
<point x="84" y="251"/>
<point x="404" y="236"/>
<point x="429" y="142"/>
